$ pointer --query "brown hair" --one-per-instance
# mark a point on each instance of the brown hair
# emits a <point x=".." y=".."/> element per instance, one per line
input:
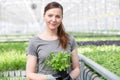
<point x="62" y="35"/>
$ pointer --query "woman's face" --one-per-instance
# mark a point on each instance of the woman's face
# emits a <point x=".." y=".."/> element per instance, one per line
<point x="53" y="18"/>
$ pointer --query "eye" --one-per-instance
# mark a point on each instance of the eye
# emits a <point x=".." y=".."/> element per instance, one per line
<point x="58" y="16"/>
<point x="49" y="15"/>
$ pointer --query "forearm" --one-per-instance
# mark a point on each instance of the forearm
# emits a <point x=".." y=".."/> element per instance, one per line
<point x="75" y="73"/>
<point x="75" y="65"/>
<point x="36" y="76"/>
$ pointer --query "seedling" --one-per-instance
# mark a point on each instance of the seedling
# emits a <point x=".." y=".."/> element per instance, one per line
<point x="59" y="62"/>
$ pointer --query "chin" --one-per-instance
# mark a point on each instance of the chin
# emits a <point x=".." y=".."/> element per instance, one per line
<point x="53" y="28"/>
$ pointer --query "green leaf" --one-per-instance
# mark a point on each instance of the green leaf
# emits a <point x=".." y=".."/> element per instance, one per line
<point x="58" y="62"/>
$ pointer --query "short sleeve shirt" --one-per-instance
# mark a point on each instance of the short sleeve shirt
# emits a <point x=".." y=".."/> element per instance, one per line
<point x="42" y="48"/>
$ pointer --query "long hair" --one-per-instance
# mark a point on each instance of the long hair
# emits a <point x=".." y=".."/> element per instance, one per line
<point x="62" y="35"/>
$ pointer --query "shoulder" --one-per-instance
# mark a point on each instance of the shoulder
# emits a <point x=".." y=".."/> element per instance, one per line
<point x="70" y="37"/>
<point x="34" y="39"/>
<point x="72" y="42"/>
<point x="34" y="42"/>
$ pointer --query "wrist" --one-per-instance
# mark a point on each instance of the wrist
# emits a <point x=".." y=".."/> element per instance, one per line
<point x="50" y="77"/>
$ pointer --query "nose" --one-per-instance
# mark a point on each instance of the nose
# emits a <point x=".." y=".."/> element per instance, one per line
<point x="53" y="19"/>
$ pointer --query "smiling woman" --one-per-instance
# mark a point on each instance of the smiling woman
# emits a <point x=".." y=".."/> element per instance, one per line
<point x="53" y="18"/>
<point x="53" y="39"/>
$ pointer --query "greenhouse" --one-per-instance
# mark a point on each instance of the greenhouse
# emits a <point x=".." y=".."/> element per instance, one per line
<point x="94" y="24"/>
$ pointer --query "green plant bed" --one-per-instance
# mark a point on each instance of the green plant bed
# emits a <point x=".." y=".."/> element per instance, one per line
<point x="96" y="38"/>
<point x="13" y="78"/>
<point x="107" y="56"/>
<point x="13" y="56"/>
<point x="79" y="34"/>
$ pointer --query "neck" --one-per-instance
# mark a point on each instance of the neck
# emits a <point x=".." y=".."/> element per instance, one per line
<point x="51" y="32"/>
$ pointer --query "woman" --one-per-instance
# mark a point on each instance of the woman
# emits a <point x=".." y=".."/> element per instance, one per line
<point x="53" y="39"/>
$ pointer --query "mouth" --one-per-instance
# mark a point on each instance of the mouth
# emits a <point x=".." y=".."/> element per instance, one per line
<point x="53" y="24"/>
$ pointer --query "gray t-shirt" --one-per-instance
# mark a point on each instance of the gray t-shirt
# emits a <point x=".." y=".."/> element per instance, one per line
<point x="42" y="48"/>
